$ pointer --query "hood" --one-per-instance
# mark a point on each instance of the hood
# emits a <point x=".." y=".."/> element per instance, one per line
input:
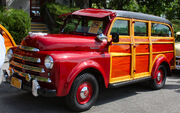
<point x="177" y="46"/>
<point x="63" y="42"/>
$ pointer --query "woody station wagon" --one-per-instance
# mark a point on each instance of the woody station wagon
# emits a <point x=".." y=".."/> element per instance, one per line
<point x="96" y="48"/>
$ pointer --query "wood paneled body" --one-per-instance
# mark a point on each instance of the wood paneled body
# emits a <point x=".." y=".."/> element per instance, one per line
<point x="133" y="56"/>
<point x="142" y="56"/>
<point x="120" y="61"/>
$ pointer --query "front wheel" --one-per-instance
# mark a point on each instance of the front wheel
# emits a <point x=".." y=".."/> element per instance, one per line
<point x="84" y="92"/>
<point x="160" y="78"/>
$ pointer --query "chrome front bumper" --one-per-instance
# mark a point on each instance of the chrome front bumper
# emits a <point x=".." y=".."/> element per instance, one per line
<point x="32" y="86"/>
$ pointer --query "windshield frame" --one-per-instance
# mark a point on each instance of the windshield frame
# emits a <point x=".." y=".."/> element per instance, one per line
<point x="104" y="20"/>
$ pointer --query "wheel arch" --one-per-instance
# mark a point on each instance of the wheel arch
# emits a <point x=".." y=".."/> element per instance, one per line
<point x="97" y="74"/>
<point x="160" y="60"/>
<point x="93" y="68"/>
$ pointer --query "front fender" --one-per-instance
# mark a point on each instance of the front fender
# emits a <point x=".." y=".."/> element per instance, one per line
<point x="82" y="66"/>
<point x="157" y="62"/>
<point x="72" y="64"/>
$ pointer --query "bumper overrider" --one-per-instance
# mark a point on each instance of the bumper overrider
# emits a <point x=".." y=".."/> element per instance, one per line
<point x="178" y="62"/>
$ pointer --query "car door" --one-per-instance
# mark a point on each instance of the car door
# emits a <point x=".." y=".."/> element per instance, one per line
<point x="142" y="54"/>
<point x="120" y="52"/>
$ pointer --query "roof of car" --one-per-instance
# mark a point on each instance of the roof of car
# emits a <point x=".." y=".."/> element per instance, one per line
<point x="101" y="13"/>
<point x="142" y="16"/>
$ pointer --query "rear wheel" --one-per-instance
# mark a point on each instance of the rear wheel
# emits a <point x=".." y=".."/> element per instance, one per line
<point x="160" y="78"/>
<point x="84" y="92"/>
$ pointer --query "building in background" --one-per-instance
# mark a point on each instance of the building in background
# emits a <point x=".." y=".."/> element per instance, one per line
<point x="32" y="7"/>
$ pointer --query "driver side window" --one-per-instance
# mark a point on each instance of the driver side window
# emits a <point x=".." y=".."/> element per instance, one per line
<point x="121" y="27"/>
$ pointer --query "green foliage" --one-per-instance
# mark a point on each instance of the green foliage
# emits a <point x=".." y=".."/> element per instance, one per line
<point x="56" y="10"/>
<point x="2" y="8"/>
<point x="17" y="22"/>
<point x="167" y="8"/>
<point x="176" y="25"/>
<point x="132" y="6"/>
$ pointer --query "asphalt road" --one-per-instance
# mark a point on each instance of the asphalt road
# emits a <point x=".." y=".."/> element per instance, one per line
<point x="135" y="98"/>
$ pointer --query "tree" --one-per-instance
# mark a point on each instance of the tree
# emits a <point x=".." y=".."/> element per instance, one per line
<point x="173" y="10"/>
<point x="82" y="3"/>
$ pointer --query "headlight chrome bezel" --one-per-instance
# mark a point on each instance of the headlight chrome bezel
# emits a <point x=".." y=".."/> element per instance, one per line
<point x="48" y="62"/>
<point x="9" y="54"/>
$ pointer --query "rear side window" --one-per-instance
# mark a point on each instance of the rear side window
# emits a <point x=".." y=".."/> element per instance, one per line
<point x="120" y="27"/>
<point x="140" y="29"/>
<point x="160" y="30"/>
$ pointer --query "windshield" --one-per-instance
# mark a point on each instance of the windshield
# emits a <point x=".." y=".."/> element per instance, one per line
<point x="83" y="25"/>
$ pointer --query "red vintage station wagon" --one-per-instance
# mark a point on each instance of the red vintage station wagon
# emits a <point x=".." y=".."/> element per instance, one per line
<point x="95" y="48"/>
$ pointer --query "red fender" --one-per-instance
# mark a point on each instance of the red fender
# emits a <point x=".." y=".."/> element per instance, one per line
<point x="82" y="66"/>
<point x="159" y="60"/>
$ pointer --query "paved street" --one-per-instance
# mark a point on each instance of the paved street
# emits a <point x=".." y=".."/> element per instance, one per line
<point x="128" y="99"/>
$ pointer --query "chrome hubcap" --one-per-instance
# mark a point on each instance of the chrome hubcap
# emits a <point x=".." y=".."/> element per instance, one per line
<point x="84" y="92"/>
<point x="159" y="76"/>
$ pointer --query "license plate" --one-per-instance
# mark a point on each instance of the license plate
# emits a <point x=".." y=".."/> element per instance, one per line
<point x="16" y="82"/>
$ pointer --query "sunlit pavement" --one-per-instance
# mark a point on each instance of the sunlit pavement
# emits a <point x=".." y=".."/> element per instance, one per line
<point x="136" y="98"/>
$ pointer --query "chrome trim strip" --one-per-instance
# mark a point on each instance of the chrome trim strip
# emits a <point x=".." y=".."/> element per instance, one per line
<point x="26" y="48"/>
<point x="31" y="68"/>
<point x="30" y="59"/>
<point x="39" y="78"/>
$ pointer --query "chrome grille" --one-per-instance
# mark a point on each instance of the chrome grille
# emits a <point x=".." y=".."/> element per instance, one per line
<point x="25" y="58"/>
<point x="26" y="67"/>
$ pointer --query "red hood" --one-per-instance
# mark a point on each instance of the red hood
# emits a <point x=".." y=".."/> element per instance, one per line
<point x="63" y="42"/>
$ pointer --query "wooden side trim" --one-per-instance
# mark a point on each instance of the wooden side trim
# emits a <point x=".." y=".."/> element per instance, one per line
<point x="163" y="42"/>
<point x="152" y="37"/>
<point x="133" y="51"/>
<point x="120" y="79"/>
<point x="142" y="75"/>
<point x="150" y="48"/>
<point x="113" y="54"/>
<point x="142" y="53"/>
<point x="163" y="52"/>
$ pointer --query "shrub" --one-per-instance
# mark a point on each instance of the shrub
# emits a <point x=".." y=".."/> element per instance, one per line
<point x="56" y="10"/>
<point x="17" y="22"/>
<point x="176" y="25"/>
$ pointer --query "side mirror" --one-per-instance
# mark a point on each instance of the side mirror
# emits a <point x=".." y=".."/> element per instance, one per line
<point x="115" y="37"/>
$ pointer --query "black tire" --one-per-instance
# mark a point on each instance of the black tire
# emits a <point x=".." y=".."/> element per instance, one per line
<point x="159" y="83"/>
<point x="72" y="99"/>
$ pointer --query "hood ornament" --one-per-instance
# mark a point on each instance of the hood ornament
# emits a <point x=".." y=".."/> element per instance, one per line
<point x="37" y="34"/>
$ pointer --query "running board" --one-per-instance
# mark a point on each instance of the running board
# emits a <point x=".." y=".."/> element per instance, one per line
<point x="129" y="82"/>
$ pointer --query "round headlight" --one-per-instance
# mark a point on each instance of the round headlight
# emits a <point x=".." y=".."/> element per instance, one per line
<point x="49" y="62"/>
<point x="10" y="54"/>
